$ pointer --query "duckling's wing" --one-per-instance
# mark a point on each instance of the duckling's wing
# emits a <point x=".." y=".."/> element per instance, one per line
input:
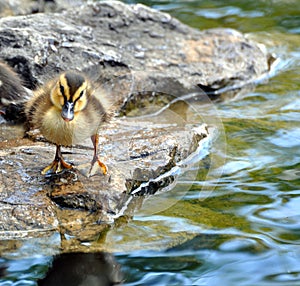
<point x="107" y="104"/>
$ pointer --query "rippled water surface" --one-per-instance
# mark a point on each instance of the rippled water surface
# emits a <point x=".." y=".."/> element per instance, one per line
<point x="242" y="225"/>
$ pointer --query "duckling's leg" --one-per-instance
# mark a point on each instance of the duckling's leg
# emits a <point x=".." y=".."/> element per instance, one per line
<point x="95" y="140"/>
<point x="58" y="164"/>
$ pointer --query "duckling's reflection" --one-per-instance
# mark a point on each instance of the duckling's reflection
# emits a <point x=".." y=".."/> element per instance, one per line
<point x="84" y="269"/>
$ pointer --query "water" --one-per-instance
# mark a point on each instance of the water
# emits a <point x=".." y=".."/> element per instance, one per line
<point x="240" y="228"/>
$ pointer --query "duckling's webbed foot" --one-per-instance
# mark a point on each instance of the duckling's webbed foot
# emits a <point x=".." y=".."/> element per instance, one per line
<point x="58" y="164"/>
<point x="96" y="164"/>
<point x="97" y="167"/>
<point x="56" y="167"/>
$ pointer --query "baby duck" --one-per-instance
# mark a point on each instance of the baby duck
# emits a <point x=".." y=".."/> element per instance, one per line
<point x="67" y="110"/>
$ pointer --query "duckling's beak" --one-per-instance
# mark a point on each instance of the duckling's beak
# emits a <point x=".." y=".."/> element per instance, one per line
<point x="67" y="112"/>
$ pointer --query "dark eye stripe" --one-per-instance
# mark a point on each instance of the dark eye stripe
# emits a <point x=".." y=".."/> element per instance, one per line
<point x="80" y="95"/>
<point x="62" y="90"/>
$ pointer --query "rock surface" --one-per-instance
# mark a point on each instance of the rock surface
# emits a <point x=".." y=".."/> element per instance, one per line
<point x="130" y="50"/>
<point x="151" y="49"/>
<point x="138" y="155"/>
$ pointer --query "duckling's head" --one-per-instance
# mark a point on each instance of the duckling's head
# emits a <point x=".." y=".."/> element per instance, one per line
<point x="70" y="94"/>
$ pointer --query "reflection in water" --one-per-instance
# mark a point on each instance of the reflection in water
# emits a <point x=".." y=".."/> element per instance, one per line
<point x="2" y="270"/>
<point x="245" y="231"/>
<point x="84" y="269"/>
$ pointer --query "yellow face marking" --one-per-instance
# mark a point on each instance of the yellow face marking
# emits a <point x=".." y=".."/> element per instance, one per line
<point x="56" y="97"/>
<point x="63" y="87"/>
<point x="80" y="97"/>
<point x="71" y="91"/>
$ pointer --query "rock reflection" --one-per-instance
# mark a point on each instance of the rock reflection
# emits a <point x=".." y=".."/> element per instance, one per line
<point x="84" y="269"/>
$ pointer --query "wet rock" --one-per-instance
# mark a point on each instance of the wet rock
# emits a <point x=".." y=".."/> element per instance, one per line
<point x="142" y="58"/>
<point x="140" y="156"/>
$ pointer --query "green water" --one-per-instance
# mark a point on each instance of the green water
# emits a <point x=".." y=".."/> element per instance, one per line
<point x="247" y="229"/>
<point x="241" y="226"/>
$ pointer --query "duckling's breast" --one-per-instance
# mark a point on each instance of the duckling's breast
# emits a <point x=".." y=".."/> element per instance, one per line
<point x="67" y="133"/>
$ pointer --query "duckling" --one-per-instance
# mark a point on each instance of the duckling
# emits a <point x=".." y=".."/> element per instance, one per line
<point x="67" y="110"/>
<point x="12" y="95"/>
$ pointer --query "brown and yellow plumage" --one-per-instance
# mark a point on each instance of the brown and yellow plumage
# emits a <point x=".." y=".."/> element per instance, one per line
<point x="67" y="110"/>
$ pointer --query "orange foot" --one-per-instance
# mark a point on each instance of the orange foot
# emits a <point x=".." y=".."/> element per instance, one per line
<point x="96" y="164"/>
<point x="56" y="167"/>
<point x="58" y="164"/>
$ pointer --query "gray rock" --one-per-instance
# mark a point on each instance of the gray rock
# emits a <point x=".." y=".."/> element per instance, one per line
<point x="141" y="157"/>
<point x="142" y="58"/>
<point x="27" y="7"/>
<point x="152" y="49"/>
